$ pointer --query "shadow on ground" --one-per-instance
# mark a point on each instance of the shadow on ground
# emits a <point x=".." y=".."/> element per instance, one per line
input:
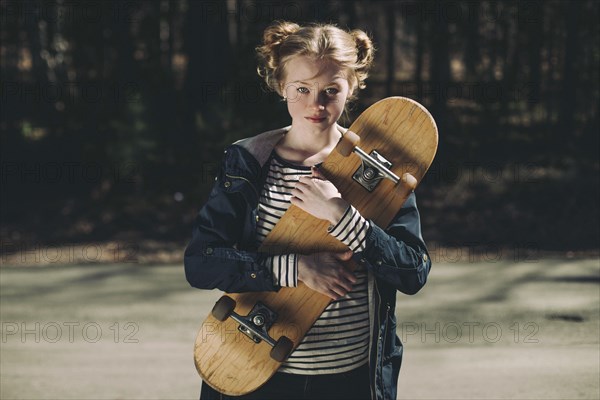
<point x="478" y="330"/>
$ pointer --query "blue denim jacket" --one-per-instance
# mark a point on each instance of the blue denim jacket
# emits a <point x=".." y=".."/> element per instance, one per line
<point x="223" y="254"/>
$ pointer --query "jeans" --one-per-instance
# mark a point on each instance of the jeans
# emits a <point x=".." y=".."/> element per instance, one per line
<point x="352" y="385"/>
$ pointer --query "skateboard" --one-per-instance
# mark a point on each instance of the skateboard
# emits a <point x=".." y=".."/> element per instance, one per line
<point x="375" y="166"/>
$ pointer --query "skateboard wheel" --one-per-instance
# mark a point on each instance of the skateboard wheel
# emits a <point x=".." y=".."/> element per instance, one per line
<point x="347" y="143"/>
<point x="223" y="308"/>
<point x="282" y="349"/>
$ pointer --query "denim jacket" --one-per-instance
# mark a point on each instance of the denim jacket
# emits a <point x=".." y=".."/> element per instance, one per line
<point x="223" y="252"/>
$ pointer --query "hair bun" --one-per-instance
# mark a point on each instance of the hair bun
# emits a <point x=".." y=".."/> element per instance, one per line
<point x="364" y="49"/>
<point x="273" y="37"/>
<point x="275" y="34"/>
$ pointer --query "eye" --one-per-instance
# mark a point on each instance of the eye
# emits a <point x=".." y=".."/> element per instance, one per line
<point x="303" y="90"/>
<point x="331" y="91"/>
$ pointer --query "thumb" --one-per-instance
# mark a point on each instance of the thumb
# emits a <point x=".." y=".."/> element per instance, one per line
<point x="344" y="256"/>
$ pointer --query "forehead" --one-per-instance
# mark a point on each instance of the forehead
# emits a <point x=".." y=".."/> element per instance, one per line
<point x="306" y="69"/>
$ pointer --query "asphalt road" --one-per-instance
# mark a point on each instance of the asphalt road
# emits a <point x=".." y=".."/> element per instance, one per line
<point x="491" y="329"/>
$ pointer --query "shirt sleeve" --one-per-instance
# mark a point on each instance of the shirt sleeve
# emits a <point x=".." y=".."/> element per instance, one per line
<point x="285" y="269"/>
<point x="351" y="230"/>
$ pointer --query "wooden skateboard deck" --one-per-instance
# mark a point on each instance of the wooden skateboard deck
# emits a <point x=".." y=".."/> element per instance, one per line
<point x="405" y="134"/>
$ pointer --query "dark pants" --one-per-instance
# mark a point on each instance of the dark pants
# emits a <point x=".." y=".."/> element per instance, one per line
<point x="353" y="385"/>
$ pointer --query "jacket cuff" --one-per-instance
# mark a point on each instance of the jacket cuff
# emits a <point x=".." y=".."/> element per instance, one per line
<point x="285" y="269"/>
<point x="351" y="230"/>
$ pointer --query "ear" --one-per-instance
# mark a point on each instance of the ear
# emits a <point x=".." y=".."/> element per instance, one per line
<point x="282" y="89"/>
<point x="352" y="85"/>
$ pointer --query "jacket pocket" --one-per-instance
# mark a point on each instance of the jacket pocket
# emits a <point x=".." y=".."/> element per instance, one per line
<point x="240" y="184"/>
<point x="394" y="351"/>
<point x="391" y="368"/>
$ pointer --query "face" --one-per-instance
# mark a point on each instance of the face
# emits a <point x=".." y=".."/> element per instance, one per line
<point x="316" y="93"/>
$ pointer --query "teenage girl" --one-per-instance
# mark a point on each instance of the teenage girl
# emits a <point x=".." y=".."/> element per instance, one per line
<point x="352" y="351"/>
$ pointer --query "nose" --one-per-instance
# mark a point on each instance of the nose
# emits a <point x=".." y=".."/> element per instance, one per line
<point x="318" y="102"/>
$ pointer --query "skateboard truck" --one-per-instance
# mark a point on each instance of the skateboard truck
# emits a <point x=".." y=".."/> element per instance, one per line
<point x="374" y="168"/>
<point x="255" y="325"/>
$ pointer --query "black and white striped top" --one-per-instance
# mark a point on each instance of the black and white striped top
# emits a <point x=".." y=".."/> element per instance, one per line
<point x="339" y="340"/>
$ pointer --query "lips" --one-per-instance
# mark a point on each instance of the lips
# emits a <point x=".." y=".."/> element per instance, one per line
<point x="316" y="119"/>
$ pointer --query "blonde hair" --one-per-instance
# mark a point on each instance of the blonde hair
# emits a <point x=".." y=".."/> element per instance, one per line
<point x="351" y="51"/>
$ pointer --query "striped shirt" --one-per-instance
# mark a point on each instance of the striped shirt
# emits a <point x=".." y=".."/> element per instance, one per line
<point x="339" y="340"/>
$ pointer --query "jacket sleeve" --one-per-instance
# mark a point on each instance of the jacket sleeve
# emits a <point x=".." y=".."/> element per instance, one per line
<point x="399" y="255"/>
<point x="212" y="258"/>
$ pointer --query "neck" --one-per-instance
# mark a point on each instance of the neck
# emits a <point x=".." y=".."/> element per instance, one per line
<point x="313" y="140"/>
<point x="308" y="147"/>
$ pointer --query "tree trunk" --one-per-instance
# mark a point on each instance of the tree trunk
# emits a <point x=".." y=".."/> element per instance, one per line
<point x="440" y="73"/>
<point x="419" y="55"/>
<point x="569" y="78"/>
<point x="391" y="59"/>
<point x="535" y="32"/>
<point x="471" y="54"/>
<point x="207" y="44"/>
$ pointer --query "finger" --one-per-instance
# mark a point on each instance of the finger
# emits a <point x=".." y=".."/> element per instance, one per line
<point x="304" y="180"/>
<point x="298" y="193"/>
<point x="302" y="188"/>
<point x="346" y="276"/>
<point x="350" y="278"/>
<point x="342" y="279"/>
<point x="334" y="296"/>
<point x="296" y="201"/>
<point x="330" y="293"/>
<point x="344" y="255"/>
<point x="345" y="285"/>
<point x="340" y="290"/>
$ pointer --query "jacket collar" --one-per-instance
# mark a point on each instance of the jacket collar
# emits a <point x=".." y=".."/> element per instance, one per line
<point x="261" y="145"/>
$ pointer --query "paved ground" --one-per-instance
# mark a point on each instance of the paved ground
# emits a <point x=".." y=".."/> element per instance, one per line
<point x="479" y="330"/>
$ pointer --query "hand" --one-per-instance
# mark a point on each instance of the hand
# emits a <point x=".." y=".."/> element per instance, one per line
<point x="319" y="197"/>
<point x="325" y="273"/>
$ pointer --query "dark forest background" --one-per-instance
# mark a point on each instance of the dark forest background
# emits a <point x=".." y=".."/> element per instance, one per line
<point x="114" y="114"/>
